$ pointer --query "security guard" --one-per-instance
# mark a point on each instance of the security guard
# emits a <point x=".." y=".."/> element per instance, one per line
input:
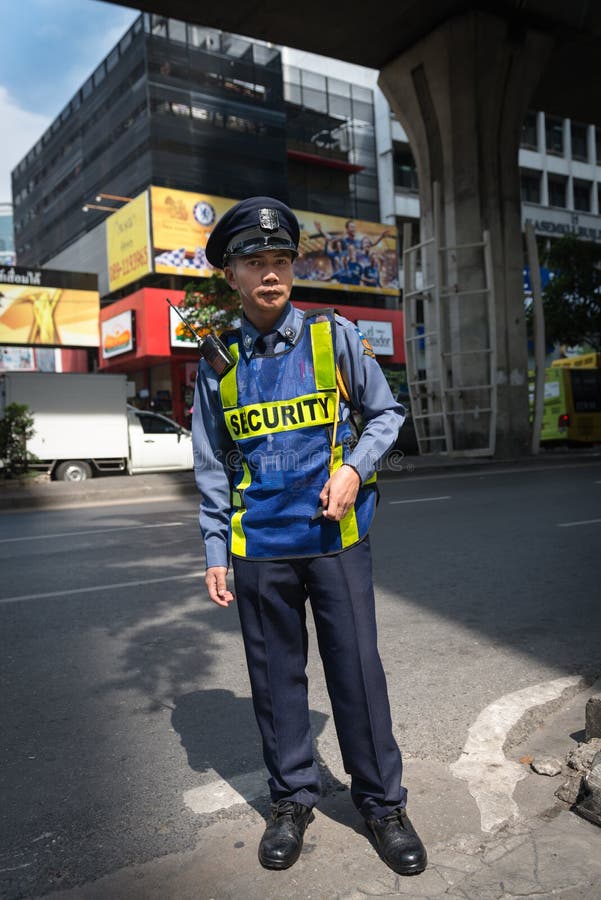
<point x="288" y="493"/>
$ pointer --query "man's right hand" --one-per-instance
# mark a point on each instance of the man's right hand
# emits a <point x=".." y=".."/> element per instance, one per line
<point x="215" y="578"/>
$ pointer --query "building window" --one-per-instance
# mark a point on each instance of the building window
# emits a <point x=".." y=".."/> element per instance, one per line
<point x="582" y="195"/>
<point x="598" y="144"/>
<point x="405" y="171"/>
<point x="554" y="135"/>
<point x="177" y="30"/>
<point x="530" y="186"/>
<point x="557" y="191"/>
<point x="112" y="59"/>
<point x="579" y="141"/>
<point x="529" y="131"/>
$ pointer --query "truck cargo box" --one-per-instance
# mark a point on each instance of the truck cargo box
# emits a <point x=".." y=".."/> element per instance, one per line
<point x="76" y="416"/>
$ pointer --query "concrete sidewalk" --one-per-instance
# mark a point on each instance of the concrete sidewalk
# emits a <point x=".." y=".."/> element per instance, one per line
<point x="548" y="851"/>
<point x="109" y="489"/>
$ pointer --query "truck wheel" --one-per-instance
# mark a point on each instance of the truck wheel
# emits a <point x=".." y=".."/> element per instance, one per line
<point x="73" y="470"/>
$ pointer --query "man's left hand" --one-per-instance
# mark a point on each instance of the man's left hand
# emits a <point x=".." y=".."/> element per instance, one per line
<point x="339" y="493"/>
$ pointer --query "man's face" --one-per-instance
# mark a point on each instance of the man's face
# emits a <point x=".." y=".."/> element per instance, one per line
<point x="264" y="282"/>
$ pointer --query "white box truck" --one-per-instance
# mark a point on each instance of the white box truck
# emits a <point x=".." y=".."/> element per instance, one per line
<point x="83" y="426"/>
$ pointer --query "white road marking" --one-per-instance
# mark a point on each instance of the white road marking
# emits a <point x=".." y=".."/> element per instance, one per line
<point x="464" y="472"/>
<point x="89" y="503"/>
<point x="221" y="794"/>
<point x="100" y="587"/>
<point x="572" y="524"/>
<point x="418" y="500"/>
<point x="61" y="534"/>
<point x="490" y="776"/>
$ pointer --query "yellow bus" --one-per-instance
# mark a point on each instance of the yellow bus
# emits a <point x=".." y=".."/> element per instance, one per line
<point x="572" y="409"/>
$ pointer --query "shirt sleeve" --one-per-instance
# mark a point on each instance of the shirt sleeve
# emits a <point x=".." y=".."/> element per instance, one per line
<point x="370" y="395"/>
<point x="212" y="446"/>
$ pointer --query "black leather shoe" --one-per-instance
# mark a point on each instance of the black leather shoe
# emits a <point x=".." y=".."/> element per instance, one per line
<point x="398" y="843"/>
<point x="282" y="842"/>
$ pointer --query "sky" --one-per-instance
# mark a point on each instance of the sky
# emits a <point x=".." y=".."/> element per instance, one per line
<point x="48" y="48"/>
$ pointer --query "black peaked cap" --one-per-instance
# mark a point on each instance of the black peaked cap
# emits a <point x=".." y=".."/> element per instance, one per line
<point x="253" y="213"/>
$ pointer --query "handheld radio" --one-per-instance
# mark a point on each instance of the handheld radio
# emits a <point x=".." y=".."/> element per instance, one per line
<point x="211" y="349"/>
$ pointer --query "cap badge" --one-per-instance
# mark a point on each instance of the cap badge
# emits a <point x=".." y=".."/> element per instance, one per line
<point x="269" y="219"/>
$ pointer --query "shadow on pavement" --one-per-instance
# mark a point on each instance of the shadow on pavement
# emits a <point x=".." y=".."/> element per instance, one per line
<point x="219" y="733"/>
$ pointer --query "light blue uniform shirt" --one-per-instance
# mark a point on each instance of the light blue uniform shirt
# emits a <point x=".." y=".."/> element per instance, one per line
<point x="215" y="453"/>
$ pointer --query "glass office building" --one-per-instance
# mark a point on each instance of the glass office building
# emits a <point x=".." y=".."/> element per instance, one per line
<point x="181" y="106"/>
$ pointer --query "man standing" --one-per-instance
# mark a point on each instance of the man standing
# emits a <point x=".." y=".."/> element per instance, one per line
<point x="288" y="493"/>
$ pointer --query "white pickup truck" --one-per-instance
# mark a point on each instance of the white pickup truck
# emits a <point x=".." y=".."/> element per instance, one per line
<point x="84" y="426"/>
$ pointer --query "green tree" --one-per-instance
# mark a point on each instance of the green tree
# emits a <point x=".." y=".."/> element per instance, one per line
<point x="209" y="305"/>
<point x="572" y="299"/>
<point x="16" y="428"/>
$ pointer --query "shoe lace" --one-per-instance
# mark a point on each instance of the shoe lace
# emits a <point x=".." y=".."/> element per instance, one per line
<point x="283" y="808"/>
<point x="396" y="814"/>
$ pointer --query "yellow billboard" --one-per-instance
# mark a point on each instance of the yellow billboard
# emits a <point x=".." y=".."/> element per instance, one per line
<point x="128" y="243"/>
<point x="181" y="225"/>
<point x="43" y="307"/>
<point x="334" y="252"/>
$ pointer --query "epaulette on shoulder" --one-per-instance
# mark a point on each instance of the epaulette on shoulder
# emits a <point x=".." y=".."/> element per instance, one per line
<point x="229" y="334"/>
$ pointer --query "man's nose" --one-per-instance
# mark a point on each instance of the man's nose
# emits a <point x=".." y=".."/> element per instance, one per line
<point x="270" y="275"/>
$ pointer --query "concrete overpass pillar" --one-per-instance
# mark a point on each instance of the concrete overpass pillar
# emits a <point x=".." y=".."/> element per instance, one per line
<point x="461" y="95"/>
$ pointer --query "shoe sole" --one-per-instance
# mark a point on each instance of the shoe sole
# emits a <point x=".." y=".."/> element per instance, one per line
<point x="279" y="864"/>
<point x="413" y="870"/>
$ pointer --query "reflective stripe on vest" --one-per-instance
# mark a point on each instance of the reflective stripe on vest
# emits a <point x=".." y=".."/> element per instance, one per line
<point x="324" y="365"/>
<point x="228" y="388"/>
<point x="238" y="538"/>
<point x="349" y="530"/>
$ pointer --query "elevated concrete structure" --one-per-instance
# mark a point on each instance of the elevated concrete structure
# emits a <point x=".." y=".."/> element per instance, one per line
<point x="460" y="77"/>
<point x="461" y="95"/>
<point x="375" y="36"/>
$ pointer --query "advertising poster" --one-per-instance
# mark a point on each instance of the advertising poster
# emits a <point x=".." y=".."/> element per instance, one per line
<point x="181" y="225"/>
<point x="334" y="252"/>
<point x="128" y="243"/>
<point x="117" y="334"/>
<point x="346" y="254"/>
<point x="43" y="307"/>
<point x="379" y="335"/>
<point x="17" y="359"/>
<point x="180" y="335"/>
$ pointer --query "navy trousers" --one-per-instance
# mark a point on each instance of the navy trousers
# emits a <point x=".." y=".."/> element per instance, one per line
<point x="271" y="599"/>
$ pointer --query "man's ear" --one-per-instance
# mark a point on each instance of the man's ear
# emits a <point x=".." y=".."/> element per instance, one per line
<point x="230" y="277"/>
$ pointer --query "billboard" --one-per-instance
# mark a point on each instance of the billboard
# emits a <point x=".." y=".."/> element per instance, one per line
<point x="346" y="254"/>
<point x="128" y="243"/>
<point x="17" y="359"/>
<point x="181" y="225"/>
<point x="44" y="307"/>
<point x="117" y="334"/>
<point x="334" y="252"/>
<point x="379" y="334"/>
<point x="179" y="335"/>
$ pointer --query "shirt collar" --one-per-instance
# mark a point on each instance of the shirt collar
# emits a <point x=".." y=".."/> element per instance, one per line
<point x="288" y="327"/>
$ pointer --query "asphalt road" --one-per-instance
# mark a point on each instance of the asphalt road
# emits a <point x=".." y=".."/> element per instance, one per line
<point x="124" y="692"/>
